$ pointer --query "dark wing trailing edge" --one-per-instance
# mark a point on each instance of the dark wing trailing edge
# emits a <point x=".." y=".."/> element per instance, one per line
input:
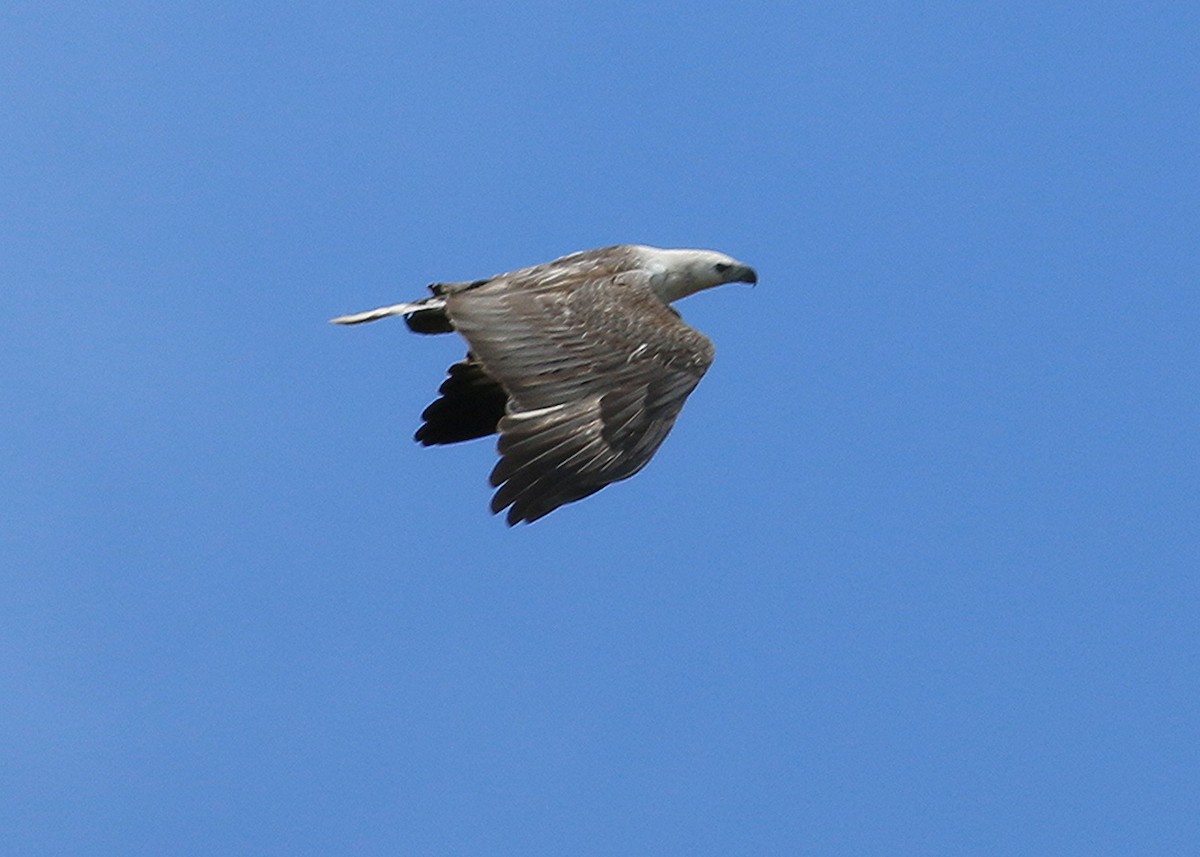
<point x="596" y="370"/>
<point x="470" y="406"/>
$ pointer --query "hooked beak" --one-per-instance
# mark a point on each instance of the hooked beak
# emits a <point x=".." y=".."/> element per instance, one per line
<point x="747" y="275"/>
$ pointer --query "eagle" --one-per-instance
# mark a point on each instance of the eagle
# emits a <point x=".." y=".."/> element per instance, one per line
<point x="580" y="364"/>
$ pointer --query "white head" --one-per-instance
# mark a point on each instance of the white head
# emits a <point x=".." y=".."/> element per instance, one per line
<point x="679" y="273"/>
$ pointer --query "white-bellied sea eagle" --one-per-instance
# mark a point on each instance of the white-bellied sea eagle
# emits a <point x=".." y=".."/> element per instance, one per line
<point x="581" y="365"/>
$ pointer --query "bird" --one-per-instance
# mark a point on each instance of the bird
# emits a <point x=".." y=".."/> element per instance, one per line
<point x="581" y="365"/>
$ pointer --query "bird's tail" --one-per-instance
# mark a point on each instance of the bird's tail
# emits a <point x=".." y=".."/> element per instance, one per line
<point x="381" y="312"/>
<point x="423" y="316"/>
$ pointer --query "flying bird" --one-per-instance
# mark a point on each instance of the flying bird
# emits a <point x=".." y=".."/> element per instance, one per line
<point x="580" y="364"/>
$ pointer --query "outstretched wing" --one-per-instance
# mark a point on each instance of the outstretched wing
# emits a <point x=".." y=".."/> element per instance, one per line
<point x="596" y="368"/>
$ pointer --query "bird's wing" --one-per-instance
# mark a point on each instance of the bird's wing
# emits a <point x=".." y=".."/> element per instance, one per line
<point x="597" y="369"/>
<point x="469" y="405"/>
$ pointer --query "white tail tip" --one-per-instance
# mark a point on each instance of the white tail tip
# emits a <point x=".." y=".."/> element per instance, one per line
<point x="376" y="314"/>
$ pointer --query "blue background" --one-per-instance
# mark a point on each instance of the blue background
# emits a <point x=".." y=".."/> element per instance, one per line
<point x="916" y="572"/>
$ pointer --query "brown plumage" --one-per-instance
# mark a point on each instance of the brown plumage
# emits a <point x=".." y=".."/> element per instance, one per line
<point x="580" y="364"/>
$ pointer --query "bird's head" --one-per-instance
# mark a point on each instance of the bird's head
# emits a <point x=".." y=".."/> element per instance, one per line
<point x="679" y="273"/>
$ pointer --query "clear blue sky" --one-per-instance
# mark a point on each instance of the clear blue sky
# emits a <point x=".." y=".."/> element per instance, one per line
<point x="915" y="574"/>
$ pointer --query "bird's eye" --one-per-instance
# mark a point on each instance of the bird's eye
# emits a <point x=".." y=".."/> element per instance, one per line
<point x="722" y="267"/>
